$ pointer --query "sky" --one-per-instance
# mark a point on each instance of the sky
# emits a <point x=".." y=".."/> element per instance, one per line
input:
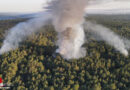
<point x="29" y="6"/>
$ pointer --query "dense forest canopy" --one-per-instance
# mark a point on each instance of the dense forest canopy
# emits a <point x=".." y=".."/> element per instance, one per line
<point x="33" y="66"/>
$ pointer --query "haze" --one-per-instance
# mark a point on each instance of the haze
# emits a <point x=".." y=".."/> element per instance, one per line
<point x="29" y="6"/>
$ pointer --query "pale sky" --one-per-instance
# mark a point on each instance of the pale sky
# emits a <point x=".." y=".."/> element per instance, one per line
<point x="28" y="6"/>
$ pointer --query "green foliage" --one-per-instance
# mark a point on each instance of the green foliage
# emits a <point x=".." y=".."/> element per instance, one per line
<point x="32" y="66"/>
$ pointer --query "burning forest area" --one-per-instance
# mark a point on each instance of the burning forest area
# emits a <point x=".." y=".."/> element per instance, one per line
<point x="65" y="49"/>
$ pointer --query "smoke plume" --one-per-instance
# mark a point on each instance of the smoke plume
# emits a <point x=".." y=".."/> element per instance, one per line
<point x="18" y="33"/>
<point x="67" y="17"/>
<point x="107" y="35"/>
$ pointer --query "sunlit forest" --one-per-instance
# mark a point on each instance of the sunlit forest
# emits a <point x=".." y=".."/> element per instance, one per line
<point x="33" y="66"/>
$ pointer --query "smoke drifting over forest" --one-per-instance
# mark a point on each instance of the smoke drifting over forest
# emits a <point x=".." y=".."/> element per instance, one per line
<point x="67" y="17"/>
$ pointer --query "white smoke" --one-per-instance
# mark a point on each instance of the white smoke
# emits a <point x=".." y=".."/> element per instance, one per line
<point x="70" y="43"/>
<point x="67" y="17"/>
<point x="18" y="33"/>
<point x="107" y="35"/>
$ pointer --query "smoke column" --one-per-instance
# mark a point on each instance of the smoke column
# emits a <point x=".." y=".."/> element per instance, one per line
<point x="107" y="35"/>
<point x="67" y="17"/>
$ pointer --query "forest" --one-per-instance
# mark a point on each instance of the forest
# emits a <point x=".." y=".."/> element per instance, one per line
<point x="32" y="66"/>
